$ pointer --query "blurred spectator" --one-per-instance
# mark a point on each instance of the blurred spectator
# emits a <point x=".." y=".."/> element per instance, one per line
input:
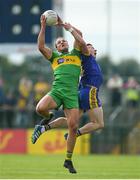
<point x="114" y="85"/>
<point x="131" y="83"/>
<point x="24" y="89"/>
<point x="41" y="88"/>
<point x="132" y="92"/>
<point x="9" y="109"/>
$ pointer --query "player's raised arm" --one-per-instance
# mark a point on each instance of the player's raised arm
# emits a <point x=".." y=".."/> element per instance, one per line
<point x="46" y="51"/>
<point x="79" y="41"/>
<point x="76" y="44"/>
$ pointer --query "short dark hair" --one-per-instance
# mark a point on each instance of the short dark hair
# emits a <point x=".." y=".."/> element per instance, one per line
<point x="89" y="44"/>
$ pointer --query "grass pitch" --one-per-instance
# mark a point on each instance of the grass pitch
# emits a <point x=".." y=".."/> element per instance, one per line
<point x="51" y="167"/>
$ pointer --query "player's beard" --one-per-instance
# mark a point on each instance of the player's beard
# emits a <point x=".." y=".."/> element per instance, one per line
<point x="65" y="50"/>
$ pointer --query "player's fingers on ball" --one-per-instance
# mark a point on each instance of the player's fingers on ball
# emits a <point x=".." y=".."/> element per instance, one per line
<point x="41" y="18"/>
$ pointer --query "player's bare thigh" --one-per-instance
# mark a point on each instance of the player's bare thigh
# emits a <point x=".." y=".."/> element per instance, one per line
<point x="72" y="116"/>
<point x="96" y="115"/>
<point x="46" y="103"/>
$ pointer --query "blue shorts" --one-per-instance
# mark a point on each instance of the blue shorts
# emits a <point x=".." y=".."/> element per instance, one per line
<point x="88" y="98"/>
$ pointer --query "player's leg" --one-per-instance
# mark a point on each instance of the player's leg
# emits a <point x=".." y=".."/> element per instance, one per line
<point x="90" y="101"/>
<point x="96" y="121"/>
<point x="59" y="122"/>
<point x="72" y="121"/>
<point x="43" y="107"/>
<point x="40" y="129"/>
<point x="78" y="132"/>
<point x="72" y="116"/>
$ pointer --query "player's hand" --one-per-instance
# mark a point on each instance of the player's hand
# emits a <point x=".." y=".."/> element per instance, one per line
<point x="59" y="22"/>
<point x="43" y="21"/>
<point x="67" y="26"/>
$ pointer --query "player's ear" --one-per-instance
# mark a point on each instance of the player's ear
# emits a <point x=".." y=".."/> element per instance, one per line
<point x="55" y="45"/>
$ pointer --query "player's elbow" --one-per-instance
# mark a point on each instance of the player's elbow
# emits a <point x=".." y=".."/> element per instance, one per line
<point x="40" y="47"/>
<point x="82" y="43"/>
<point x="101" y="125"/>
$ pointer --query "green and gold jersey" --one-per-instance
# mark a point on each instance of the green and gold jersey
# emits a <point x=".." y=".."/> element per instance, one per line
<point x="67" y="67"/>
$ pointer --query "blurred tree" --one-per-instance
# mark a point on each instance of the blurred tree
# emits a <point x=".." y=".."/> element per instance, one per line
<point x="129" y="67"/>
<point x="39" y="66"/>
<point x="32" y="67"/>
<point x="107" y="66"/>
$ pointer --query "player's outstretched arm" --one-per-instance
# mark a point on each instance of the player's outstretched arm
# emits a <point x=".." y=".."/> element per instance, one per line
<point x="78" y="31"/>
<point x="77" y="37"/>
<point x="79" y="41"/>
<point x="76" y="44"/>
<point x="83" y="49"/>
<point x="46" y="51"/>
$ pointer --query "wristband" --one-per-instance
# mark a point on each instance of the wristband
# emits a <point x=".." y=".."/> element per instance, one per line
<point x="70" y="30"/>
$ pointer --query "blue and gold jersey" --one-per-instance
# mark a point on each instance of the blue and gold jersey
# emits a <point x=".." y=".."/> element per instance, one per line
<point x="91" y="71"/>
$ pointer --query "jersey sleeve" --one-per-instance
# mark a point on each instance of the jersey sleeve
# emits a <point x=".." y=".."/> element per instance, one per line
<point x="76" y="52"/>
<point x="54" y="55"/>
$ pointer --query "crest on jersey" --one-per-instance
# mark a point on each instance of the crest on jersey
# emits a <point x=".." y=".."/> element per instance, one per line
<point x="61" y="60"/>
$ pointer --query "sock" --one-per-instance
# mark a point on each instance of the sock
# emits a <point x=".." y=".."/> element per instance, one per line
<point x="78" y="133"/>
<point x="47" y="127"/>
<point x="46" y="119"/>
<point x="43" y="121"/>
<point x="69" y="155"/>
<point x="50" y="116"/>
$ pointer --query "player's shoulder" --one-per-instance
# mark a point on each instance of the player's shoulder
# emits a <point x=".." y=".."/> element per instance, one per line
<point x="55" y="54"/>
<point x="75" y="50"/>
<point x="87" y="56"/>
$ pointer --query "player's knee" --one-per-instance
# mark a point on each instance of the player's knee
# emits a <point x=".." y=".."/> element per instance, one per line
<point x="101" y="125"/>
<point x="73" y="126"/>
<point x="40" y="109"/>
